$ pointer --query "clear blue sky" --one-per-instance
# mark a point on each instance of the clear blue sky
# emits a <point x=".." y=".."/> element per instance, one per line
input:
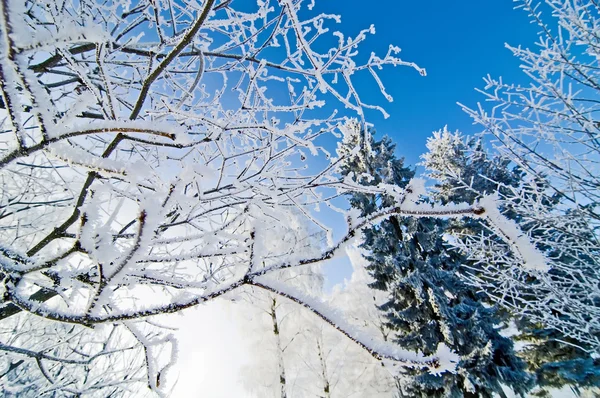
<point x="458" y="42"/>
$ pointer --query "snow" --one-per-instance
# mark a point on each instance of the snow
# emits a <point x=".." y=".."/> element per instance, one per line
<point x="447" y="360"/>
<point x="532" y="258"/>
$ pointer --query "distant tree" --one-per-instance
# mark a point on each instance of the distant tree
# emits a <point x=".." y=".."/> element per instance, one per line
<point x="297" y="355"/>
<point x="428" y="304"/>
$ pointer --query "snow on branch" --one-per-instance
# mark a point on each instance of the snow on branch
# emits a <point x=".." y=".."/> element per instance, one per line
<point x="509" y="231"/>
<point x="392" y="356"/>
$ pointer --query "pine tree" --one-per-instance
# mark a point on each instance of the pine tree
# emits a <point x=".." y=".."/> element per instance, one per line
<point x="428" y="303"/>
<point x="463" y="169"/>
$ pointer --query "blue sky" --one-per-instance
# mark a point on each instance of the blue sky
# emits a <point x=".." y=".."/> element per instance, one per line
<point x="457" y="42"/>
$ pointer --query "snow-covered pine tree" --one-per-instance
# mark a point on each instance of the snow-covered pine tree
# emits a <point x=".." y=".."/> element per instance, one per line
<point x="428" y="304"/>
<point x="463" y="170"/>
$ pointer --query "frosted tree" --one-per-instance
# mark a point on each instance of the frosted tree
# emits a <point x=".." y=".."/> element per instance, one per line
<point x="360" y="305"/>
<point x="296" y="355"/>
<point x="549" y="129"/>
<point x="460" y="167"/>
<point x="463" y="170"/>
<point x="428" y="305"/>
<point x="269" y="373"/>
<point x="277" y="323"/>
<point x="146" y="144"/>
